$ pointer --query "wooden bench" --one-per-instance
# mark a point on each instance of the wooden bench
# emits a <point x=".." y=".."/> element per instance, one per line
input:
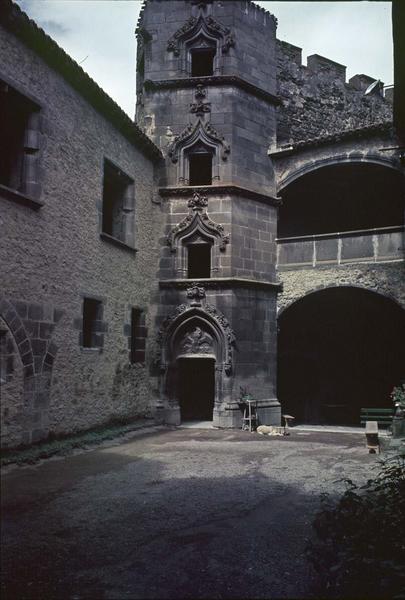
<point x="383" y="416"/>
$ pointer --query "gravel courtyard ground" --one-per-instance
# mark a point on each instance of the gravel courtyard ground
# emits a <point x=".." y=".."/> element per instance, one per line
<point x="173" y="513"/>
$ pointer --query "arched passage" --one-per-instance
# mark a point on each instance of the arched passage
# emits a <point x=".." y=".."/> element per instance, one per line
<point x="342" y="197"/>
<point x="340" y="349"/>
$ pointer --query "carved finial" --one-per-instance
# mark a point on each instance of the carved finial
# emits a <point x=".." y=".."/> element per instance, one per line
<point x="197" y="202"/>
<point x="200" y="107"/>
<point x="195" y="293"/>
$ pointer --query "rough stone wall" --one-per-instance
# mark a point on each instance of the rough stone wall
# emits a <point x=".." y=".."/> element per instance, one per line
<point x="54" y="256"/>
<point x="317" y="101"/>
<point x="386" y="279"/>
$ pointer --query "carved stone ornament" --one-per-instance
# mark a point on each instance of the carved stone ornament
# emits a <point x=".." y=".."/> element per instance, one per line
<point x="195" y="24"/>
<point x="199" y="107"/>
<point x="221" y="330"/>
<point x="198" y="131"/>
<point x="198" y="202"/>
<point x="196" y="293"/>
<point x="198" y="219"/>
<point x="197" y="342"/>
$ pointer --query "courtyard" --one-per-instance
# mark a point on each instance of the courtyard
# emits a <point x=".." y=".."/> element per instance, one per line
<point x="174" y="513"/>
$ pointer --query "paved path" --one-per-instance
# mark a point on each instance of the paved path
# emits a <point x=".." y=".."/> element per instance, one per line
<point x="183" y="513"/>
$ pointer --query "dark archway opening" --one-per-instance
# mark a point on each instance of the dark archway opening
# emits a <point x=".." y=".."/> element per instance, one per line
<point x="339" y="350"/>
<point x="196" y="388"/>
<point x="341" y="198"/>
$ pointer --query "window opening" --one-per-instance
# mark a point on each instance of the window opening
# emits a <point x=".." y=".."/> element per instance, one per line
<point x="202" y="62"/>
<point x="138" y="336"/>
<point x="92" y="314"/>
<point x="16" y="110"/>
<point x="200" y="168"/>
<point x="199" y="260"/>
<point x="117" y="201"/>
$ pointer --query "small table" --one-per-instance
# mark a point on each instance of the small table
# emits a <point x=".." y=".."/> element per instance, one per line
<point x="249" y="415"/>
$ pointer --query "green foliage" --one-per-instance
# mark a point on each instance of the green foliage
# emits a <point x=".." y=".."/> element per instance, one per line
<point x="398" y="395"/>
<point x="359" y="550"/>
<point x="244" y="394"/>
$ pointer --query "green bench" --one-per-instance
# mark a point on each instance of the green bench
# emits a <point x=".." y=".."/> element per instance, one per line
<point x="383" y="416"/>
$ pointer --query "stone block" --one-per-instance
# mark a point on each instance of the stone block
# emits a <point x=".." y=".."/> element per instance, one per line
<point x="35" y="312"/>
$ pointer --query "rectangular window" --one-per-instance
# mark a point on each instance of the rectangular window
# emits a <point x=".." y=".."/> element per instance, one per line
<point x="199" y="261"/>
<point x="19" y="141"/>
<point x="200" y="169"/>
<point x="92" y="323"/>
<point x="202" y="62"/>
<point x="118" y="204"/>
<point x="138" y="336"/>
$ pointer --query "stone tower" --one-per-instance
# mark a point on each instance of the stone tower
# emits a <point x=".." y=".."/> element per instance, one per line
<point x="206" y="96"/>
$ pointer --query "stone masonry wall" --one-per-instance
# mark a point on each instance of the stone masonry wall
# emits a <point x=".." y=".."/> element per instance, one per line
<point x="317" y="101"/>
<point x="53" y="257"/>
<point x="386" y="279"/>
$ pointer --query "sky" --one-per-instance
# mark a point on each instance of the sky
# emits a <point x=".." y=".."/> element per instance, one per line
<point x="99" y="35"/>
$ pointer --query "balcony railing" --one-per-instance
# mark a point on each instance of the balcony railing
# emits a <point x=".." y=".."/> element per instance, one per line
<point x="366" y="245"/>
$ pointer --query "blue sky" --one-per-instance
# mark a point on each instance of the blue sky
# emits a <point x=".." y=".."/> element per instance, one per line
<point x="99" y="34"/>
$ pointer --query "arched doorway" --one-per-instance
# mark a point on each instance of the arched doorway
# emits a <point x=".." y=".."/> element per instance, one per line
<point x="340" y="350"/>
<point x="195" y="363"/>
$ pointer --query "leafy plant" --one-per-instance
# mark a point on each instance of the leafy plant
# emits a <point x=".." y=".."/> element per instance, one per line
<point x="398" y="395"/>
<point x="359" y="551"/>
<point x="244" y="394"/>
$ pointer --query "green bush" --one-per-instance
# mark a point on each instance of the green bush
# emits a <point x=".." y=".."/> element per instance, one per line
<point x="359" y="549"/>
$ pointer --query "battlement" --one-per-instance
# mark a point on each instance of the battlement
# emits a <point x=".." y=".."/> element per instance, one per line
<point x="258" y="14"/>
<point x="317" y="63"/>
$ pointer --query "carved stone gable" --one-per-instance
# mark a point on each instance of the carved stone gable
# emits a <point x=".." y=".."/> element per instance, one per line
<point x="205" y="25"/>
<point x="198" y="220"/>
<point x="203" y="132"/>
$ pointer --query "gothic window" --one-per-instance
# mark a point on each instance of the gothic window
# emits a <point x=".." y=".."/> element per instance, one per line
<point x="199" y="44"/>
<point x="19" y="141"/>
<point x="92" y="336"/>
<point x="197" y="242"/>
<point x="199" y="259"/>
<point x="118" y="205"/>
<point x="200" y="168"/>
<point x="199" y="151"/>
<point x="202" y="62"/>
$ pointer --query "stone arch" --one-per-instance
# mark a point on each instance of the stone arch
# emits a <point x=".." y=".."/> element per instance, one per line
<point x="13" y="388"/>
<point x="17" y="329"/>
<point x="320" y="288"/>
<point x="313" y="165"/>
<point x="347" y="353"/>
<point x="385" y="279"/>
<point x="209" y="320"/>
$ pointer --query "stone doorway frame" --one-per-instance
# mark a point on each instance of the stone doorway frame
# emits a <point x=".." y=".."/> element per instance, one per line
<point x="174" y="329"/>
